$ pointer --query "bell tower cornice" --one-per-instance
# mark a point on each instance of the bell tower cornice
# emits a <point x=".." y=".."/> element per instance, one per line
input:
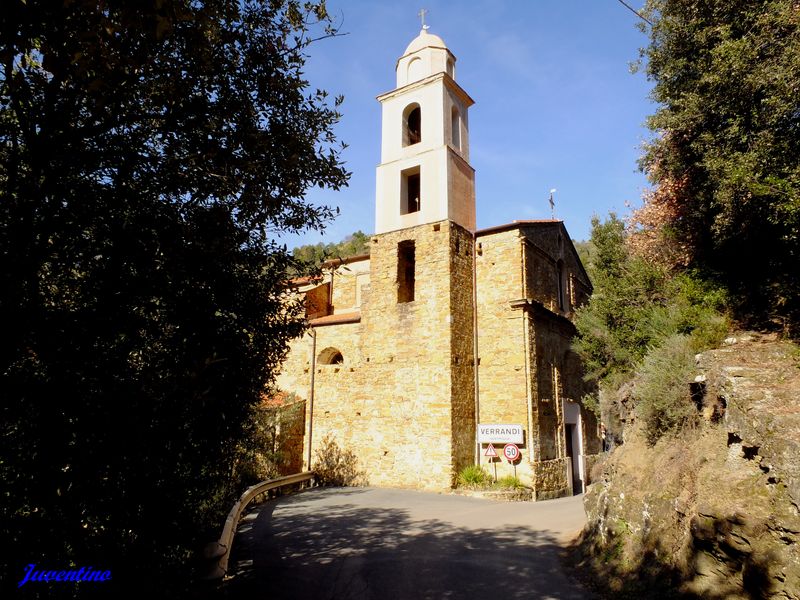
<point x="448" y="81"/>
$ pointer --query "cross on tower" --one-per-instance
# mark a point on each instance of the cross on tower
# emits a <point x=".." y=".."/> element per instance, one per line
<point x="421" y="14"/>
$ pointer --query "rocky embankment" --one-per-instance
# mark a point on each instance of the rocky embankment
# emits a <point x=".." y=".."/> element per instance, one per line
<point x="714" y="513"/>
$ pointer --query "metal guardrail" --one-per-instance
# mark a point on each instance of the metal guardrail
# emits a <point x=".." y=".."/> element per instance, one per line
<point x="219" y="552"/>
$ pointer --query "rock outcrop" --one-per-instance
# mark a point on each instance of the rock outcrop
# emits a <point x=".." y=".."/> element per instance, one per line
<point x="714" y="513"/>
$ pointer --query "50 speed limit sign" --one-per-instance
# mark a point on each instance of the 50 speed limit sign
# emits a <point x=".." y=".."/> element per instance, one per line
<point x="511" y="452"/>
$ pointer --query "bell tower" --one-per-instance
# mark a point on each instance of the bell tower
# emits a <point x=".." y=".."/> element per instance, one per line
<point x="425" y="175"/>
<point x="417" y="322"/>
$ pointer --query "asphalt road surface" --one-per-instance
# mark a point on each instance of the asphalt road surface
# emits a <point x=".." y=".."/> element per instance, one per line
<point x="366" y="543"/>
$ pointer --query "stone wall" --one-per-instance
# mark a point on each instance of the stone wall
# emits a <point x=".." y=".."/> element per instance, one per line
<point x="344" y="290"/>
<point x="402" y="399"/>
<point x="527" y="368"/>
<point x="290" y="423"/>
<point x="551" y="479"/>
<point x="503" y="372"/>
<point x="548" y="420"/>
<point x="545" y="245"/>
<point x="462" y="349"/>
<point x="347" y="281"/>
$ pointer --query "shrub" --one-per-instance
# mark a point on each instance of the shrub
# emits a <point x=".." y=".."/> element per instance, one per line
<point x="662" y="388"/>
<point x="591" y="402"/>
<point x="261" y="455"/>
<point x="337" y="467"/>
<point x="474" y="476"/>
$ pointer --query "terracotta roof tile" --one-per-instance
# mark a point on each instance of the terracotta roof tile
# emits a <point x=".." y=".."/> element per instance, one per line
<point x="353" y="317"/>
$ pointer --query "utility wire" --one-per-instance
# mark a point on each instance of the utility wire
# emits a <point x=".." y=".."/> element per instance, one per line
<point x="634" y="11"/>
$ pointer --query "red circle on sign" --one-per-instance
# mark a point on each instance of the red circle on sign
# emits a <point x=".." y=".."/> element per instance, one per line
<point x="511" y="452"/>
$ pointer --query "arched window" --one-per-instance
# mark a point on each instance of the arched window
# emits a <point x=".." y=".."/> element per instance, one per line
<point x="451" y="68"/>
<point x="330" y="356"/>
<point x="455" y="128"/>
<point x="412" y="125"/>
<point x="415" y="70"/>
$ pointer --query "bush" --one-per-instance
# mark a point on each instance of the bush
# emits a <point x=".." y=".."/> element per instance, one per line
<point x="662" y="388"/>
<point x="473" y="477"/>
<point x="337" y="467"/>
<point x="264" y="454"/>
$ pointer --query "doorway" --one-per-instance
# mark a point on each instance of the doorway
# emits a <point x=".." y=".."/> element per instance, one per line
<point x="574" y="444"/>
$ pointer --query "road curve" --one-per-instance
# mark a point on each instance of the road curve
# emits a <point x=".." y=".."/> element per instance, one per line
<point x="368" y="543"/>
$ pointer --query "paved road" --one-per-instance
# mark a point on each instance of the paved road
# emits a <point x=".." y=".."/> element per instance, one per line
<point x="366" y="543"/>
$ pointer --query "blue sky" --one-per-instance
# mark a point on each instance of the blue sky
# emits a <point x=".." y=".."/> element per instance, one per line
<point x="555" y="103"/>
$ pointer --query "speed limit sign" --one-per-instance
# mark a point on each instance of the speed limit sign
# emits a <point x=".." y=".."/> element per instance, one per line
<point x="511" y="452"/>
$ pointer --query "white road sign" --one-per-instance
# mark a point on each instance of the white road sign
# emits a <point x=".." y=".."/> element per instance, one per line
<point x="500" y="434"/>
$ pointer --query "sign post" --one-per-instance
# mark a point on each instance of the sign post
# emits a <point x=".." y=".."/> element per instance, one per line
<point x="501" y="433"/>
<point x="512" y="454"/>
<point x="492" y="454"/>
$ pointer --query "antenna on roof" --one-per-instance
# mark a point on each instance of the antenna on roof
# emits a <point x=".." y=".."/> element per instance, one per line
<point x="421" y="14"/>
<point x="552" y="204"/>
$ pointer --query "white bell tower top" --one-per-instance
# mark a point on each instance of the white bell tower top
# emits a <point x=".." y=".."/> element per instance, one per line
<point x="426" y="55"/>
<point x="425" y="175"/>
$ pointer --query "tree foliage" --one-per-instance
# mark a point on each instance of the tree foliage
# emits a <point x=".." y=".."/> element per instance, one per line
<point x="313" y="255"/>
<point x="726" y="158"/>
<point x="148" y="151"/>
<point x="613" y="335"/>
<point x="637" y="307"/>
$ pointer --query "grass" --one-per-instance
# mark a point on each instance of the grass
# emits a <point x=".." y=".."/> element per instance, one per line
<point x="475" y="477"/>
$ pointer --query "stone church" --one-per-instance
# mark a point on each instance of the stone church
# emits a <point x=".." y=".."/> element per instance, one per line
<point x="443" y="327"/>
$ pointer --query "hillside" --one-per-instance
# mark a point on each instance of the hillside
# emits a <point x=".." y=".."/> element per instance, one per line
<point x="712" y="512"/>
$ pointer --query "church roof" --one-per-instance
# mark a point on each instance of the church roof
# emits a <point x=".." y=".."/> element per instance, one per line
<point x="336" y="319"/>
<point x="516" y="224"/>
<point x="425" y="40"/>
<point x="335" y="262"/>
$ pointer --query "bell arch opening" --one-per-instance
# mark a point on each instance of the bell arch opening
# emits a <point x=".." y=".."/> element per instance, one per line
<point x="412" y="125"/>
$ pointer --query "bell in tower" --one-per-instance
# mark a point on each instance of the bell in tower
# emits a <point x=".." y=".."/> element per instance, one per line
<point x="425" y="175"/>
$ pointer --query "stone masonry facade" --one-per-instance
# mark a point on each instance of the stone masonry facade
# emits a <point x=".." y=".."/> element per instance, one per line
<point x="403" y="396"/>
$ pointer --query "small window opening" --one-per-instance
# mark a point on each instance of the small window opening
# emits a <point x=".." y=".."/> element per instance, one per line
<point x="562" y="286"/>
<point x="330" y="356"/>
<point x="451" y="68"/>
<point x="455" y="128"/>
<point x="412" y="126"/>
<point x="410" y="191"/>
<point x="406" y="266"/>
<point x="317" y="301"/>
